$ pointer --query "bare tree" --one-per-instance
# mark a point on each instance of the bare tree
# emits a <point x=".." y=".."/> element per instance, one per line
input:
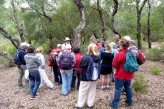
<point x="139" y="10"/>
<point x="148" y="25"/>
<point x="81" y="24"/>
<point x="100" y="10"/>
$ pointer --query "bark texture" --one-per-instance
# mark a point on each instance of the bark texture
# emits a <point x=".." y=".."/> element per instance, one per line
<point x="81" y="24"/>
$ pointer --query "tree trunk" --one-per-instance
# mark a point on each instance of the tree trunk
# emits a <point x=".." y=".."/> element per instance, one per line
<point x="111" y="25"/>
<point x="148" y="26"/>
<point x="81" y="25"/>
<point x="18" y="26"/>
<point x="102" y="20"/>
<point x="8" y="57"/>
<point x="139" y="10"/>
<point x="50" y="43"/>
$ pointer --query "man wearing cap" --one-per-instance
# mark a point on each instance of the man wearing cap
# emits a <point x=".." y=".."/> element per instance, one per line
<point x="22" y="67"/>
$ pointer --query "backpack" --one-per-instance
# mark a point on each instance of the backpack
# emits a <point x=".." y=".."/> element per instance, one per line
<point x="131" y="64"/>
<point x="95" y="74"/>
<point x="16" y="58"/>
<point x="65" y="61"/>
<point x="53" y="58"/>
<point x="141" y="57"/>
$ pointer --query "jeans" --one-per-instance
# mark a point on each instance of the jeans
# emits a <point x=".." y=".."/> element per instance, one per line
<point x="66" y="81"/>
<point x="34" y="82"/>
<point x="75" y="73"/>
<point x="118" y="87"/>
<point x="57" y="75"/>
<point x="21" y="71"/>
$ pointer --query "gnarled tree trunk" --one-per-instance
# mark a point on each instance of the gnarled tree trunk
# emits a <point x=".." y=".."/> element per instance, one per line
<point x="139" y="10"/>
<point x="81" y="25"/>
<point x="102" y="20"/>
<point x="8" y="57"/>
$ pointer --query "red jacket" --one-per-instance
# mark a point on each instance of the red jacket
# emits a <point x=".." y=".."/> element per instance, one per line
<point x="56" y="50"/>
<point x="78" y="60"/>
<point x="118" y="64"/>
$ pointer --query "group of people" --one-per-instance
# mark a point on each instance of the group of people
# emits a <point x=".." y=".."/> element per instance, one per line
<point x="104" y="61"/>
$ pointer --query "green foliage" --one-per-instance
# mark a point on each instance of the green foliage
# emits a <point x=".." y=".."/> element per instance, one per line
<point x="140" y="84"/>
<point x="156" y="70"/>
<point x="155" y="54"/>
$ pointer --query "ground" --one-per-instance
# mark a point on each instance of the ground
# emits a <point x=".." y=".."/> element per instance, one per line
<point x="11" y="97"/>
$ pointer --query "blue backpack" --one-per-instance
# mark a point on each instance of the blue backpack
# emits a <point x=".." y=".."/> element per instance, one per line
<point x="131" y="64"/>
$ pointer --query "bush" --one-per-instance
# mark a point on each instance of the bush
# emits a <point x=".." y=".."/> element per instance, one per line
<point x="156" y="70"/>
<point x="140" y="84"/>
<point x="155" y="54"/>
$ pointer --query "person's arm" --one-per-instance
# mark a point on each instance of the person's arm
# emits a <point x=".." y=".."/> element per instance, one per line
<point x="116" y="61"/>
<point x="42" y="62"/>
<point x="73" y="59"/>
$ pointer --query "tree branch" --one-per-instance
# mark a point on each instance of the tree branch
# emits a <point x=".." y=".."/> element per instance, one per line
<point x="8" y="57"/>
<point x="14" y="41"/>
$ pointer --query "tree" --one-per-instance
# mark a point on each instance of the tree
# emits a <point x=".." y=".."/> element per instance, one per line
<point x="100" y="10"/>
<point x="148" y="25"/>
<point x="139" y="10"/>
<point x="81" y="25"/>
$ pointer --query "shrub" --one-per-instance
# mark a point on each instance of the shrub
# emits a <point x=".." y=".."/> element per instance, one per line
<point x="156" y="70"/>
<point x="140" y="84"/>
<point x="155" y="54"/>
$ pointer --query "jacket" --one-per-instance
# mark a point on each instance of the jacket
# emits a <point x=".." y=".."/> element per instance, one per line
<point x="21" y="55"/>
<point x="78" y="60"/>
<point x="118" y="64"/>
<point x="32" y="61"/>
<point x="87" y="67"/>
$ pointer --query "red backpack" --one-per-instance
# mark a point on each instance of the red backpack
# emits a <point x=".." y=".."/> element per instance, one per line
<point x="141" y="57"/>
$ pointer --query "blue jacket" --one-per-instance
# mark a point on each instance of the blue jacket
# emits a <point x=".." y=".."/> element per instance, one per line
<point x="87" y="67"/>
<point x="21" y="55"/>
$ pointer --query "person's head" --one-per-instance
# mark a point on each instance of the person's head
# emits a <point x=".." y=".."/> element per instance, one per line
<point x="40" y="49"/>
<point x="76" y="50"/>
<point x="23" y="45"/>
<point x="132" y="43"/>
<point x="92" y="49"/>
<point x="59" y="46"/>
<point x="127" y="38"/>
<point x="109" y="47"/>
<point x="113" y="44"/>
<point x="68" y="47"/>
<point x="67" y="40"/>
<point x="124" y="43"/>
<point x="117" y="37"/>
<point x="30" y="49"/>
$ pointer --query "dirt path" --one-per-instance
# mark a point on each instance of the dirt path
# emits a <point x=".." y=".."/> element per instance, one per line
<point x="11" y="97"/>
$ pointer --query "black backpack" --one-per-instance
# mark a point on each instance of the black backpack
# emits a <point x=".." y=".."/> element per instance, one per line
<point x="16" y="58"/>
<point x="53" y="58"/>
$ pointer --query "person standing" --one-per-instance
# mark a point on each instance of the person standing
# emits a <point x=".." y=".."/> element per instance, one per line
<point x="22" y="67"/>
<point x="66" y="62"/>
<point x="32" y="64"/>
<point x="106" y="67"/>
<point x="77" y="70"/>
<point x="42" y="72"/>
<point x="90" y="65"/>
<point x="123" y="78"/>
<point x="52" y="61"/>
